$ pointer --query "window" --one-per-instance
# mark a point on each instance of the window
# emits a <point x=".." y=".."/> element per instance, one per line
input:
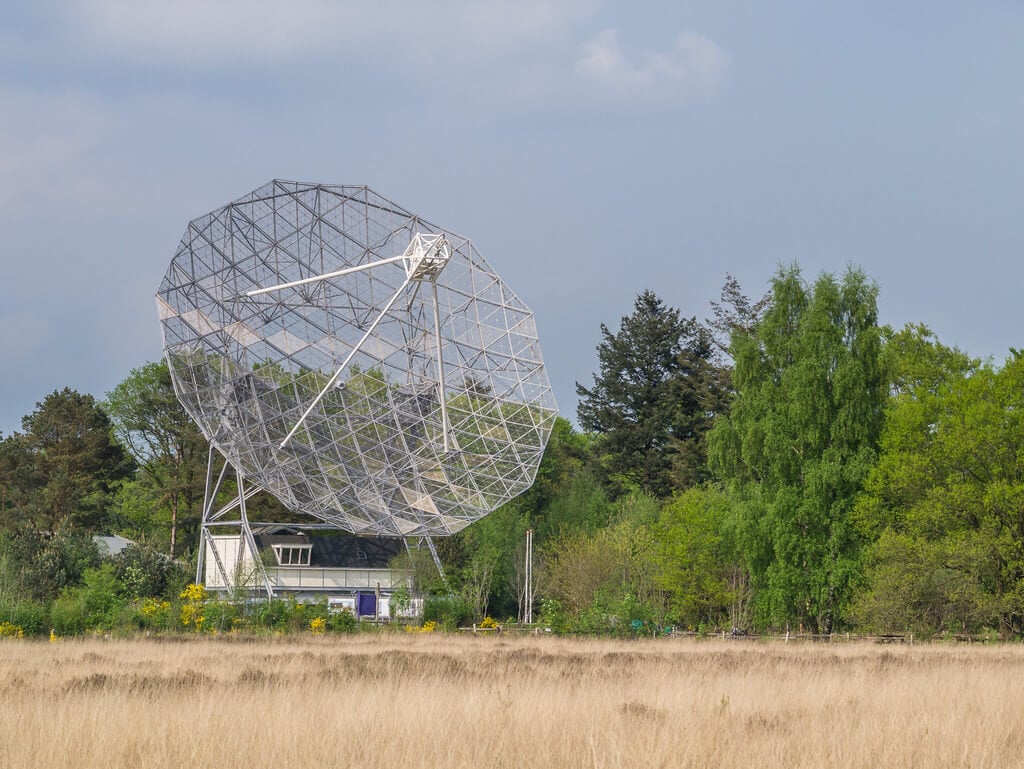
<point x="293" y="555"/>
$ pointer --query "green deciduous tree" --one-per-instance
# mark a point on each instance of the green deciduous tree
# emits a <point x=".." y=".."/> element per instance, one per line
<point x="602" y="579"/>
<point x="799" y="441"/>
<point x="926" y="585"/>
<point x="945" y="501"/>
<point x="492" y="552"/>
<point x="653" y="398"/>
<point x="700" y="566"/>
<point x="170" y="451"/>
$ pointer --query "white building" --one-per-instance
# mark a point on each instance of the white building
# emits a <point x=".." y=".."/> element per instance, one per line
<point x="353" y="572"/>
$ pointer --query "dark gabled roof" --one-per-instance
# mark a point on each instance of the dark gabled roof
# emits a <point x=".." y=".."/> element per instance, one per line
<point x="339" y="551"/>
<point x="291" y="540"/>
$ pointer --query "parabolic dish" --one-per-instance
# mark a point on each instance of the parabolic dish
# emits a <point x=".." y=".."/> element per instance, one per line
<point x="365" y="366"/>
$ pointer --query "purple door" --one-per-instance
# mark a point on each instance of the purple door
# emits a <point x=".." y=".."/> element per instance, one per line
<point x="366" y="605"/>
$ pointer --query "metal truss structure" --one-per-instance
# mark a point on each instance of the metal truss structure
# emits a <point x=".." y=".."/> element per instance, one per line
<point x="247" y="572"/>
<point x="364" y="366"/>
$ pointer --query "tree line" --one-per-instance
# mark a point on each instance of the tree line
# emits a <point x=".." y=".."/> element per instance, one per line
<point x="785" y="463"/>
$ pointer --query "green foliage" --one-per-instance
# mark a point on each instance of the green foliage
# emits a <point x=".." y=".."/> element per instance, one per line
<point x="701" y="568"/>
<point x="653" y="398"/>
<point x="554" y="616"/>
<point x="20" y="482"/>
<point x="944" y="501"/>
<point x="493" y="569"/>
<point x="419" y="564"/>
<point x="799" y="441"/>
<point x="598" y="581"/>
<point x="154" y="614"/>
<point x="918" y="365"/>
<point x="96" y="605"/>
<point x="868" y="476"/>
<point x="485" y="562"/>
<point x="579" y="503"/>
<point x="287" y="614"/>
<point x="64" y="468"/>
<point x="13" y="587"/>
<point x="577" y="567"/>
<point x="170" y="452"/>
<point x="46" y="565"/>
<point x="342" y="622"/>
<point x="143" y="571"/>
<point x="927" y="586"/>
<point x="615" y="614"/>
<point x="16" y="604"/>
<point x="31" y="616"/>
<point x="276" y="614"/>
<point x="401" y="602"/>
<point x="223" y="616"/>
<point x="564" y="457"/>
<point x="448" y="611"/>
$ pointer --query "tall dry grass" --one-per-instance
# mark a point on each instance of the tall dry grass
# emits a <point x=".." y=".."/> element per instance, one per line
<point x="446" y="701"/>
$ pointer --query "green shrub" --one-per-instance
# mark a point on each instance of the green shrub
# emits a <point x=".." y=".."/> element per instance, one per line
<point x="30" y="616"/>
<point x="48" y="564"/>
<point x="401" y="601"/>
<point x="144" y="571"/>
<point x="316" y="609"/>
<point x="343" y="621"/>
<point x="284" y="614"/>
<point x="554" y="616"/>
<point x="598" y="621"/>
<point x="449" y="612"/>
<point x="269" y="614"/>
<point x="153" y="614"/>
<point x="94" y="606"/>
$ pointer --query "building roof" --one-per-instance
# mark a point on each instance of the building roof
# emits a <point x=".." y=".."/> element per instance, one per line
<point x="112" y="544"/>
<point x="338" y="551"/>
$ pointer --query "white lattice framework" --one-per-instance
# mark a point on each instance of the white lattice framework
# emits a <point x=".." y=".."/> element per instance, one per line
<point x="365" y="366"/>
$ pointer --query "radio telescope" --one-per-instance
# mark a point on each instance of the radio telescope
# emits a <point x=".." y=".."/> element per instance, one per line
<point x="365" y="366"/>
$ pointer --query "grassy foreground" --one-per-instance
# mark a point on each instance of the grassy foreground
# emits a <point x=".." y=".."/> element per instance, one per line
<point x="485" y="701"/>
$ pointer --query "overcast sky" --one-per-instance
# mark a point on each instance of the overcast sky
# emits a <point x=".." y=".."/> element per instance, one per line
<point x="590" y="150"/>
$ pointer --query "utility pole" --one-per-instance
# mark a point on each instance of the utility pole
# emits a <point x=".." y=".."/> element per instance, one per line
<point x="528" y="587"/>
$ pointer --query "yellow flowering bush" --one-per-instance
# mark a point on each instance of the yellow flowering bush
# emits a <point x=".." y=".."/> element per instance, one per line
<point x="153" y="607"/>
<point x="10" y="630"/>
<point x="192" y="615"/>
<point x="488" y="622"/>
<point x="317" y="625"/>
<point x="427" y="627"/>
<point x="153" y="613"/>
<point x="194" y="592"/>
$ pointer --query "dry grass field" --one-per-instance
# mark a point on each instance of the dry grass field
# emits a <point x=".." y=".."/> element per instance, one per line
<point x="444" y="701"/>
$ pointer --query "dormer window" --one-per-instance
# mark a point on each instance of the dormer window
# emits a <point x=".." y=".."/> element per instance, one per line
<point x="292" y="555"/>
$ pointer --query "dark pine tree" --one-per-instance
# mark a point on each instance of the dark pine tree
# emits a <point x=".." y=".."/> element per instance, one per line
<point x="75" y="460"/>
<point x="653" y="399"/>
